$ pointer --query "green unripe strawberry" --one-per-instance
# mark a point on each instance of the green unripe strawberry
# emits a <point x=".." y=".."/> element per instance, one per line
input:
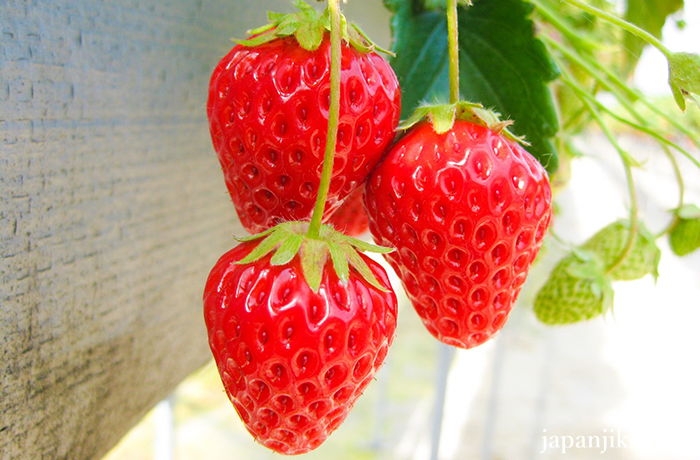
<point x="611" y="241"/>
<point x="576" y="290"/>
<point x="685" y="235"/>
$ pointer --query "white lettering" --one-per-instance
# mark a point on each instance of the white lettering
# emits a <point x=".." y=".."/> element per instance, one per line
<point x="565" y="443"/>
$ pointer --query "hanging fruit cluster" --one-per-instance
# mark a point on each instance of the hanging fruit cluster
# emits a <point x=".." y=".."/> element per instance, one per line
<point x="303" y="117"/>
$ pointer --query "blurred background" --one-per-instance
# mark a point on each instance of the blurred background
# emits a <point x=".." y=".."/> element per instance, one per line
<point x="632" y="377"/>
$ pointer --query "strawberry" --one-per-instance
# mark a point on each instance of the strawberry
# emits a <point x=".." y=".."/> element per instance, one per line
<point x="642" y="258"/>
<point x="297" y="338"/>
<point x="268" y="113"/>
<point x="685" y="234"/>
<point x="351" y="217"/>
<point x="466" y="210"/>
<point x="578" y="289"/>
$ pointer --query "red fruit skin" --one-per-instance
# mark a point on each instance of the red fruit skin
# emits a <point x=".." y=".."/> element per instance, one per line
<point x="293" y="362"/>
<point x="466" y="211"/>
<point x="351" y="217"/>
<point x="268" y="117"/>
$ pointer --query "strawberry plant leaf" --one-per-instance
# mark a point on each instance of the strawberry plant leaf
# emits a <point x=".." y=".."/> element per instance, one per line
<point x="257" y="236"/>
<point x="287" y="250"/>
<point x="314" y="254"/>
<point x="266" y="246"/>
<point x="328" y="233"/>
<point x="684" y="76"/>
<point x="502" y="65"/>
<point x="359" y="264"/>
<point x="340" y="263"/>
<point x="651" y="16"/>
<point x="689" y="211"/>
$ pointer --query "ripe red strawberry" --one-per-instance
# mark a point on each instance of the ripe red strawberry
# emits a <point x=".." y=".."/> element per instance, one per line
<point x="293" y="361"/>
<point x="466" y="211"/>
<point x="351" y="218"/>
<point x="268" y="113"/>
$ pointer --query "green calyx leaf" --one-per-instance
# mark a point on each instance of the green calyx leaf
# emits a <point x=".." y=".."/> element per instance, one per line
<point x="308" y="26"/>
<point x="688" y="211"/>
<point x="287" y="240"/>
<point x="684" y="237"/>
<point x="577" y="289"/>
<point x="684" y="77"/>
<point x="609" y="243"/>
<point x="314" y="255"/>
<point x="443" y="117"/>
<point x="502" y="64"/>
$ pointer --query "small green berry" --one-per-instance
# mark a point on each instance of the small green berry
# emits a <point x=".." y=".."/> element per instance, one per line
<point x="576" y="290"/>
<point x="640" y="261"/>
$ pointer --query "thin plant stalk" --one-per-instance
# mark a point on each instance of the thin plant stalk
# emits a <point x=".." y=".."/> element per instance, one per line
<point x="333" y="120"/>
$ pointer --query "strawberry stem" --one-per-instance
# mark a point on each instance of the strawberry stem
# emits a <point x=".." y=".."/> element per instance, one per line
<point x="453" y="48"/>
<point x="634" y="221"/>
<point x="627" y="161"/>
<point x="631" y="28"/>
<point x="333" y="120"/>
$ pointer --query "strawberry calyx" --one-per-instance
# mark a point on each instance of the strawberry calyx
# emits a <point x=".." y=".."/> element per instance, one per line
<point x="443" y="117"/>
<point x="288" y="239"/>
<point x="308" y="26"/>
<point x="589" y="266"/>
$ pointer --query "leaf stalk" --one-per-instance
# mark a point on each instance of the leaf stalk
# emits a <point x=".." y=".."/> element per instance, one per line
<point x="629" y="27"/>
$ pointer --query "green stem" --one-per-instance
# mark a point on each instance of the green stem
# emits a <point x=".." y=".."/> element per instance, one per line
<point x="681" y="193"/>
<point x="559" y="23"/>
<point x="631" y="28"/>
<point x="643" y="125"/>
<point x="333" y="120"/>
<point x="626" y="162"/>
<point x="595" y="68"/>
<point x="634" y="225"/>
<point x="622" y="93"/>
<point x="453" y="46"/>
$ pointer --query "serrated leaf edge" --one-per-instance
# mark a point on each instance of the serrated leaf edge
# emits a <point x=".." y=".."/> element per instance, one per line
<point x="308" y="27"/>
<point x="288" y="239"/>
<point x="443" y="117"/>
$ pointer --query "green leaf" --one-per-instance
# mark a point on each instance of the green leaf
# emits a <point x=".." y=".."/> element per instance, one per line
<point x="302" y="6"/>
<point x="288" y="26"/>
<point x="287" y="250"/>
<point x="310" y="35"/>
<point x="689" y="211"/>
<point x="314" y="254"/>
<point x="359" y="264"/>
<point x="651" y="16"/>
<point x="684" y="76"/>
<point x="502" y="65"/>
<point x="340" y="263"/>
<point x="368" y="247"/>
<point x="266" y="246"/>
<point x="586" y="265"/>
<point x="257" y="236"/>
<point x="330" y="234"/>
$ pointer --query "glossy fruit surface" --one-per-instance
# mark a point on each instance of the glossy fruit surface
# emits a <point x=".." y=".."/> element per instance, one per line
<point x="351" y="218"/>
<point x="466" y="211"/>
<point x="292" y="361"/>
<point x="268" y="113"/>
